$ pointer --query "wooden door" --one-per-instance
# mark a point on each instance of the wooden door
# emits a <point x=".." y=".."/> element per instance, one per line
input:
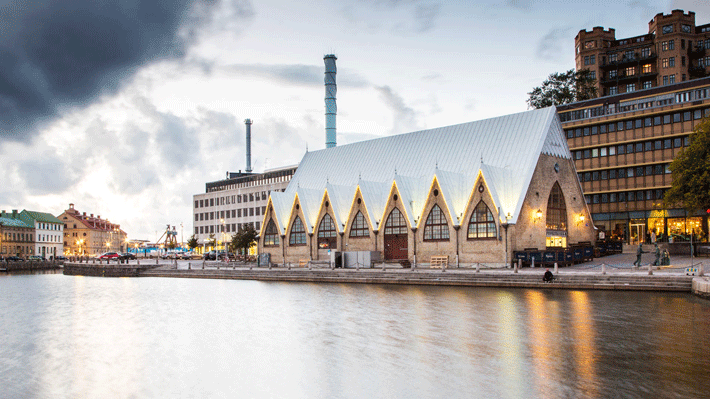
<point x="396" y="246"/>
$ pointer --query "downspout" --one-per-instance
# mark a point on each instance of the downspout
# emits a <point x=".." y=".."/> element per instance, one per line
<point x="414" y="238"/>
<point x="310" y="245"/>
<point x="283" y="248"/>
<point x="457" y="228"/>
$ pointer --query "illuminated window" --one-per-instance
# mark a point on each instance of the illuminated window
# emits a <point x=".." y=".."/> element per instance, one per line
<point x="326" y="233"/>
<point x="436" y="227"/>
<point x="556" y="209"/>
<point x="271" y="235"/>
<point x="630" y="71"/>
<point x="646" y="68"/>
<point x="359" y="227"/>
<point x="298" y="233"/>
<point x="481" y="224"/>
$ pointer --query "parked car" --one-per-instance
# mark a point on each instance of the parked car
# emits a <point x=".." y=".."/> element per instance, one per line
<point x="36" y="258"/>
<point x="186" y="255"/>
<point x="127" y="256"/>
<point x="61" y="258"/>
<point x="14" y="259"/>
<point x="212" y="255"/>
<point x="109" y="255"/>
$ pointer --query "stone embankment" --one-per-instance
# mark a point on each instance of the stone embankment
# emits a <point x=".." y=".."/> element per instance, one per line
<point x="452" y="277"/>
<point x="105" y="270"/>
<point x="701" y="287"/>
<point x="12" y="266"/>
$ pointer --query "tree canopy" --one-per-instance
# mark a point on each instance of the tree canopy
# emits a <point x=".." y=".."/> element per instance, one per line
<point x="244" y="238"/>
<point x="564" y="88"/>
<point x="691" y="172"/>
<point x="192" y="242"/>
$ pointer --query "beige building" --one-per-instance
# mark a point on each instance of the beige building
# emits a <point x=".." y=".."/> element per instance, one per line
<point x="16" y="236"/>
<point x="474" y="192"/>
<point x="88" y="235"/>
<point x="674" y="50"/>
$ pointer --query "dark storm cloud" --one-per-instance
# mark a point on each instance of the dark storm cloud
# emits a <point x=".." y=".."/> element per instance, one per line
<point x="56" y="53"/>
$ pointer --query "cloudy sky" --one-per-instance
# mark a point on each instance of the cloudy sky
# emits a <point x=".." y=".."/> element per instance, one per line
<point x="126" y="108"/>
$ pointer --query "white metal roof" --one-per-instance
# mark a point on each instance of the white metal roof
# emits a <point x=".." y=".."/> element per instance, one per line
<point x="504" y="150"/>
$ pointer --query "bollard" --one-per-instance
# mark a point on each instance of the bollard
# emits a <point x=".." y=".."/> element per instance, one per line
<point x="250" y="265"/>
<point x="517" y="265"/>
<point x="555" y="267"/>
<point x="603" y="268"/>
<point x="478" y="267"/>
<point x="357" y="266"/>
<point x="415" y="262"/>
<point x="650" y="272"/>
<point x="701" y="271"/>
<point x="384" y="266"/>
<point x="443" y="268"/>
<point x="532" y="265"/>
<point x="269" y="265"/>
<point x="189" y="266"/>
<point x="203" y="265"/>
<point x="139" y="262"/>
<point x="309" y="265"/>
<point x="156" y="261"/>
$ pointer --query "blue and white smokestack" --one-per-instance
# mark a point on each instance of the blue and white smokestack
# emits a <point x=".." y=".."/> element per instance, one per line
<point x="248" y="123"/>
<point x="330" y="108"/>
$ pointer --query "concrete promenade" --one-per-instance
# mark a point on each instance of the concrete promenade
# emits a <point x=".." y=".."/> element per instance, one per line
<point x="613" y="272"/>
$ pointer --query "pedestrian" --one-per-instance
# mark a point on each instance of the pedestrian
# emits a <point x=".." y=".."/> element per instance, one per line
<point x="653" y="237"/>
<point x="657" y="252"/>
<point x="548" y="277"/>
<point x="639" y="251"/>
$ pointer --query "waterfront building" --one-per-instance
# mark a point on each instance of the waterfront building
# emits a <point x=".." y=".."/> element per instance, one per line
<point x="48" y="233"/>
<point x="240" y="199"/>
<point x="16" y="236"/>
<point x="474" y="192"/>
<point x="622" y="146"/>
<point x="674" y="50"/>
<point x="88" y="235"/>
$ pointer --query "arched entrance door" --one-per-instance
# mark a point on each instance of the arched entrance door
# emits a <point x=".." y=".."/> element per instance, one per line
<point x="396" y="236"/>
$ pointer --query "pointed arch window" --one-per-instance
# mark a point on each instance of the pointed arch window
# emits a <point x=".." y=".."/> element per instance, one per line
<point x="271" y="235"/>
<point x="481" y="224"/>
<point x="395" y="223"/>
<point x="326" y="233"/>
<point x="556" y="218"/>
<point x="298" y="233"/>
<point x="359" y="227"/>
<point x="436" y="228"/>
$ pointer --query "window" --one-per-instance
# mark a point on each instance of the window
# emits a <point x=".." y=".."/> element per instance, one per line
<point x="647" y="84"/>
<point x="646" y="68"/>
<point x="556" y="209"/>
<point x="271" y="235"/>
<point x="646" y="52"/>
<point x="629" y="54"/>
<point x="613" y="90"/>
<point x="592" y="59"/>
<point x="614" y="57"/>
<point x="630" y="71"/>
<point x="326" y="233"/>
<point x="436" y="228"/>
<point x="682" y="61"/>
<point x="593" y="74"/>
<point x="613" y="73"/>
<point x="630" y="87"/>
<point x="671" y="79"/>
<point x="359" y="227"/>
<point x="664" y="63"/>
<point x="395" y="223"/>
<point x="298" y="233"/>
<point x="665" y="80"/>
<point x="671" y="62"/>
<point x="482" y="224"/>
<point x="671" y="43"/>
<point x="664" y="46"/>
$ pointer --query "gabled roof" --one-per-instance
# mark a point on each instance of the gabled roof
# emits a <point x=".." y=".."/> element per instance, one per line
<point x="504" y="150"/>
<point x="10" y="222"/>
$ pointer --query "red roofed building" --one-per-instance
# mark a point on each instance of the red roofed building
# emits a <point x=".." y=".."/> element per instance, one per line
<point x="88" y="235"/>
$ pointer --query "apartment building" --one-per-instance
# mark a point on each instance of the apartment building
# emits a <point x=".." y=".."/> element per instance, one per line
<point x="90" y="235"/>
<point x="622" y="145"/>
<point x="229" y="204"/>
<point x="674" y="50"/>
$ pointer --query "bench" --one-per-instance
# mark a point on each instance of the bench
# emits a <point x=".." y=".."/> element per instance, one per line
<point x="302" y="262"/>
<point x="439" y="261"/>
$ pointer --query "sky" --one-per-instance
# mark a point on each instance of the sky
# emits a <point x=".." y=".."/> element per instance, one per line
<point x="127" y="108"/>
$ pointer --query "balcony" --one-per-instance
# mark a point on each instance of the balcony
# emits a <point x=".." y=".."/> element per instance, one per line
<point x="637" y="58"/>
<point x="697" y="51"/>
<point x="696" y="72"/>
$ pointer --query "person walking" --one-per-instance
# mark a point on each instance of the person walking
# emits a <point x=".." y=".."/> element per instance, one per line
<point x="639" y="251"/>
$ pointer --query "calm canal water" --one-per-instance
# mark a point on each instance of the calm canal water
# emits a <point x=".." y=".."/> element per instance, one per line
<point x="85" y="337"/>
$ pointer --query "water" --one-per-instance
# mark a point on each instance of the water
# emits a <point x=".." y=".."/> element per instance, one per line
<point x="156" y="337"/>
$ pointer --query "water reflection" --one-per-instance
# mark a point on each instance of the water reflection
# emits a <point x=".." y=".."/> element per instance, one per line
<point x="94" y="337"/>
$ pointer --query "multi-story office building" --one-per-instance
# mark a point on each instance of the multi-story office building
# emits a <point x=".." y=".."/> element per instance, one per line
<point x="674" y="50"/>
<point x="88" y="235"/>
<point x="228" y="204"/>
<point x="622" y="146"/>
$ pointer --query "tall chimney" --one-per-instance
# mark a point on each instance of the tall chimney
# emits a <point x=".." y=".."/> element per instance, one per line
<point x="330" y="108"/>
<point x="248" y="123"/>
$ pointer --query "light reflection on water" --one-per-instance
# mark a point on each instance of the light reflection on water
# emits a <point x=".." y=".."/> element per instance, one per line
<point x="152" y="337"/>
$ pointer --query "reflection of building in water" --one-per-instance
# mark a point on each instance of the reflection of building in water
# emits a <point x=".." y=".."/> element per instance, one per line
<point x="475" y="192"/>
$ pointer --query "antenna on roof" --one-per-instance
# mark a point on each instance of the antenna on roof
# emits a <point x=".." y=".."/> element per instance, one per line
<point x="306" y="147"/>
<point x="395" y="170"/>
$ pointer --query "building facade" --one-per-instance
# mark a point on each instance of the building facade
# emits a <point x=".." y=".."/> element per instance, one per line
<point x="474" y="192"/>
<point x="229" y="204"/>
<point x="16" y="236"/>
<point x="622" y="146"/>
<point x="674" y="50"/>
<point x="86" y="235"/>
<point x="48" y="233"/>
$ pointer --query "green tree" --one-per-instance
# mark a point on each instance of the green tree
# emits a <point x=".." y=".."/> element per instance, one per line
<point x="212" y="242"/>
<point x="192" y="243"/>
<point x="244" y="239"/>
<point x="691" y="172"/>
<point x="564" y="88"/>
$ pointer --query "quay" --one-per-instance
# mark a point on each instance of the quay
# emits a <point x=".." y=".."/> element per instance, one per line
<point x="609" y="273"/>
